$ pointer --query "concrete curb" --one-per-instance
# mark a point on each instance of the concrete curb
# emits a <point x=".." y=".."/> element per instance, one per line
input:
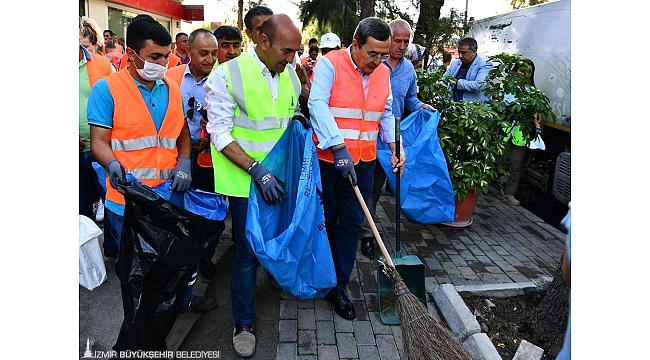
<point x="463" y="324"/>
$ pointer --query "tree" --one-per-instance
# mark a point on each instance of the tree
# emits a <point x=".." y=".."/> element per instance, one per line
<point x="433" y="32"/>
<point x="518" y="4"/>
<point x="337" y="16"/>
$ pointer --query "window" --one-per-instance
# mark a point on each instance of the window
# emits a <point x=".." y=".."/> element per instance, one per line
<point x="119" y="19"/>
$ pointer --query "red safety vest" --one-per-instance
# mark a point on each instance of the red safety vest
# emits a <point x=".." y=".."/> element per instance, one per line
<point x="356" y="117"/>
<point x="147" y="154"/>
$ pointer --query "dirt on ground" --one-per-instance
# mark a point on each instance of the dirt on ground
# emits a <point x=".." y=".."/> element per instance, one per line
<point x="501" y="318"/>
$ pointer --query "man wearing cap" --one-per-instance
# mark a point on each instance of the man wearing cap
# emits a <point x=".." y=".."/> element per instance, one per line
<point x="329" y="42"/>
<point x="405" y="97"/>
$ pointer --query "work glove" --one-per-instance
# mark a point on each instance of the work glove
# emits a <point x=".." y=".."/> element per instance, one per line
<point x="268" y="184"/>
<point x="116" y="174"/>
<point x="344" y="164"/>
<point x="182" y="174"/>
<point x="303" y="120"/>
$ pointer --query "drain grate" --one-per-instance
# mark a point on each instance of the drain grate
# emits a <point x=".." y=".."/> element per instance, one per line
<point x="562" y="178"/>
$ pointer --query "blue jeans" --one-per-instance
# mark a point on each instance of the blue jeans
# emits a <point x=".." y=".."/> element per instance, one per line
<point x="343" y="215"/>
<point x="114" y="238"/>
<point x="89" y="188"/>
<point x="243" y="278"/>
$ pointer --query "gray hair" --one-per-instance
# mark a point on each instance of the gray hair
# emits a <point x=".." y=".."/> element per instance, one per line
<point x="371" y="26"/>
<point x="399" y="24"/>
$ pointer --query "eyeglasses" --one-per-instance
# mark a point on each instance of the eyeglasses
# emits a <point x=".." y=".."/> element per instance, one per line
<point x="374" y="55"/>
<point x="190" y="112"/>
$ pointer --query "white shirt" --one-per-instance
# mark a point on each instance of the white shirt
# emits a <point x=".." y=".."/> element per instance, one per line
<point x="221" y="105"/>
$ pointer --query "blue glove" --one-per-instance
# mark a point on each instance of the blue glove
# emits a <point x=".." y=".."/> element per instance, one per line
<point x="182" y="174"/>
<point x="116" y="174"/>
<point x="344" y="164"/>
<point x="268" y="184"/>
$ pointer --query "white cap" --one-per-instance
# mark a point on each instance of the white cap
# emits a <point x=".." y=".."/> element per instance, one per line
<point x="330" y="41"/>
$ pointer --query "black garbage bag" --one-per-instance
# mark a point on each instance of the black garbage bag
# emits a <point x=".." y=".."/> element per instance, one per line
<point x="160" y="244"/>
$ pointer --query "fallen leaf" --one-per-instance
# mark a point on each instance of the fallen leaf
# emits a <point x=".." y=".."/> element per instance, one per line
<point x="501" y="345"/>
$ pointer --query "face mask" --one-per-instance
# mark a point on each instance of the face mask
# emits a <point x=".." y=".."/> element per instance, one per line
<point x="151" y="71"/>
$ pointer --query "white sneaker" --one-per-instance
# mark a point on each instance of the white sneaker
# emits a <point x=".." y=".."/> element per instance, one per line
<point x="243" y="340"/>
<point x="99" y="215"/>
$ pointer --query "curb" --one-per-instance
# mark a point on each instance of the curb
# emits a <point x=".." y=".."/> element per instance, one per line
<point x="464" y="325"/>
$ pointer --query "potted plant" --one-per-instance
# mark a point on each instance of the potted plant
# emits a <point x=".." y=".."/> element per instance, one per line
<point x="471" y="136"/>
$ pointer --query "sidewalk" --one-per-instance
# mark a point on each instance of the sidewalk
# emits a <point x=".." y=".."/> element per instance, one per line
<point x="504" y="245"/>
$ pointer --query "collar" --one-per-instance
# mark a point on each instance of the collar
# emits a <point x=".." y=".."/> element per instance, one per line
<point x="263" y="67"/>
<point x="349" y="50"/>
<point x="189" y="72"/>
<point x="86" y="53"/>
<point x="399" y="62"/>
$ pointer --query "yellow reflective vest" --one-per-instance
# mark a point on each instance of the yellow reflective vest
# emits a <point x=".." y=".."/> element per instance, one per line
<point x="258" y="122"/>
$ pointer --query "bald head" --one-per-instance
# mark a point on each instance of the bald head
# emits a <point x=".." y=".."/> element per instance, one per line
<point x="277" y="22"/>
<point x="278" y="43"/>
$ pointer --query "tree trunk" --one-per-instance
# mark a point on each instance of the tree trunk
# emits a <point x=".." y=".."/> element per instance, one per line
<point x="547" y="326"/>
<point x="429" y="12"/>
<point x="240" y="15"/>
<point x="367" y="8"/>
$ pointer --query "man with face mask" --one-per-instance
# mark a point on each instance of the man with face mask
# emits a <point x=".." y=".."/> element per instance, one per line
<point x="129" y="110"/>
<point x="347" y="123"/>
<point x="251" y="100"/>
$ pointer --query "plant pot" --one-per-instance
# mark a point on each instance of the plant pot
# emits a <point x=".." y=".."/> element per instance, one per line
<point x="464" y="210"/>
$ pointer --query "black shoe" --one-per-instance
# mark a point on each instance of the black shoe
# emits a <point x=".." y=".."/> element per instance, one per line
<point x="201" y="304"/>
<point x="341" y="304"/>
<point x="110" y="255"/>
<point x="368" y="246"/>
<point x="207" y="268"/>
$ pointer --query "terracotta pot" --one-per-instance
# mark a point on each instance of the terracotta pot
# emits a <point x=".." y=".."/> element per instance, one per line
<point x="465" y="208"/>
<point x="464" y="211"/>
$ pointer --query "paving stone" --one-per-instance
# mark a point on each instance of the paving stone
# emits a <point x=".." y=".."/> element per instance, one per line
<point x="360" y="309"/>
<point x="528" y="351"/>
<point x="306" y="319"/>
<point x="325" y="333"/>
<point x="286" y="351"/>
<point x="322" y="310"/>
<point x="387" y="347"/>
<point x="354" y="291"/>
<point x="307" y="342"/>
<point x="372" y="301"/>
<point x="363" y="333"/>
<point x="288" y="331"/>
<point x="346" y="346"/>
<point x="305" y="304"/>
<point x="342" y="325"/>
<point x="307" y="357"/>
<point x="459" y="318"/>
<point x="480" y="347"/>
<point x="288" y="309"/>
<point x="328" y="352"/>
<point x="368" y="352"/>
<point x="377" y="326"/>
<point x="368" y="284"/>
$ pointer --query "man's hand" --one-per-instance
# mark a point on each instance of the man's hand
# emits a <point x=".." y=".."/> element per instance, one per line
<point x="182" y="174"/>
<point x="203" y="143"/>
<point x="82" y="144"/>
<point x="428" y="107"/>
<point x="268" y="184"/>
<point x="343" y="163"/>
<point x="393" y="158"/>
<point x="116" y="174"/>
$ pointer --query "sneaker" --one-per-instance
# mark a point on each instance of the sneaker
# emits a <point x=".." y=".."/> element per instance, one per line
<point x="511" y="199"/>
<point x="243" y="339"/>
<point x="99" y="214"/>
<point x="201" y="304"/>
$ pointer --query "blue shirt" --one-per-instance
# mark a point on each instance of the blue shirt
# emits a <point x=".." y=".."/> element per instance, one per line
<point x="101" y="106"/>
<point x="191" y="88"/>
<point x="404" y="88"/>
<point x="322" y="119"/>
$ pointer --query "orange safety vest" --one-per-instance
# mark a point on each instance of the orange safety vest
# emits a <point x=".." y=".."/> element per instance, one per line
<point x="174" y="61"/>
<point x="356" y="117"/>
<point x="98" y="67"/>
<point x="148" y="155"/>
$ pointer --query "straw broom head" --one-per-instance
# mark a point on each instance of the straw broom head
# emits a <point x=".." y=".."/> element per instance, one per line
<point x="423" y="336"/>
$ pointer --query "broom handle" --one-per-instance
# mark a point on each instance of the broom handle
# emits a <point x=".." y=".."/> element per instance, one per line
<point x="371" y="222"/>
<point x="397" y="188"/>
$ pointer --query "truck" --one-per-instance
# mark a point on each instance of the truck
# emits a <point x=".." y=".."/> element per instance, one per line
<point x="541" y="33"/>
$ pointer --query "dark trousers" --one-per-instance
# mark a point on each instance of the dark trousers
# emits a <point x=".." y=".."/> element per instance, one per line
<point x="202" y="179"/>
<point x="515" y="167"/>
<point x="89" y="188"/>
<point x="378" y="182"/>
<point x="343" y="215"/>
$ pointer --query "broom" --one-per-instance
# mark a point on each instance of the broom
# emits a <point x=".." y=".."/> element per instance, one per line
<point x="423" y="336"/>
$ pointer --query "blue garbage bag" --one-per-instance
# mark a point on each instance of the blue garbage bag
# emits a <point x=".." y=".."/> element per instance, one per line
<point x="289" y="239"/>
<point x="426" y="194"/>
